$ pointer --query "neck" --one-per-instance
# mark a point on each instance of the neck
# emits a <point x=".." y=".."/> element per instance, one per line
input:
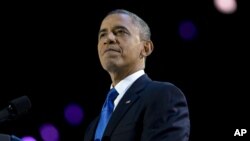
<point x="117" y="76"/>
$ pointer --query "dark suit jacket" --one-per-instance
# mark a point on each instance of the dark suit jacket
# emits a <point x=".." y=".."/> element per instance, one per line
<point x="148" y="111"/>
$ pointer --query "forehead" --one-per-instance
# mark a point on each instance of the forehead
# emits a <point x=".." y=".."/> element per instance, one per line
<point x="118" y="20"/>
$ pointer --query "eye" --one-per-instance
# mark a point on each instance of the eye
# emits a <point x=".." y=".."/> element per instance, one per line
<point x="120" y="32"/>
<point x="102" y="35"/>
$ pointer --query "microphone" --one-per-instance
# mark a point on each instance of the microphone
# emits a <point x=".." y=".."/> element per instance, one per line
<point x="16" y="107"/>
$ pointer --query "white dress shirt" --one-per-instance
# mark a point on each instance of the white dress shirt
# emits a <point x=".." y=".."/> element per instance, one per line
<point x="125" y="84"/>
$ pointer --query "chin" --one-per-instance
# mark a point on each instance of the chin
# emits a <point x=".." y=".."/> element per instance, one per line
<point x="111" y="67"/>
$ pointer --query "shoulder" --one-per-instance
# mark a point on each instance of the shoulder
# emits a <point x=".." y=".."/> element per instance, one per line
<point x="158" y="89"/>
<point x="162" y="90"/>
<point x="163" y="86"/>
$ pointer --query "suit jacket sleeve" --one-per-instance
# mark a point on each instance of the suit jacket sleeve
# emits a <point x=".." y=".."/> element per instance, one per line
<point x="166" y="116"/>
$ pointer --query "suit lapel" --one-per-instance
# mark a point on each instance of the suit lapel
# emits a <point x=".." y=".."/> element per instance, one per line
<point x="126" y="102"/>
<point x="91" y="131"/>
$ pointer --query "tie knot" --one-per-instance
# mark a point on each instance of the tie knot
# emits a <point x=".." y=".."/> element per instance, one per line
<point x="112" y="94"/>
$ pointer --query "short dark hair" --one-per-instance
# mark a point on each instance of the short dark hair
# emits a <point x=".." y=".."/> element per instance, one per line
<point x="144" y="29"/>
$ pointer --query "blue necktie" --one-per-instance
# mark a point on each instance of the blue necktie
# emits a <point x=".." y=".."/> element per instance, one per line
<point x="107" y="110"/>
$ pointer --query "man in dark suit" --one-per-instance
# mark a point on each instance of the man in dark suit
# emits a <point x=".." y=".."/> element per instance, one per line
<point x="144" y="110"/>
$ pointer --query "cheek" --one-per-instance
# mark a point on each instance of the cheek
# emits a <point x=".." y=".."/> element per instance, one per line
<point x="129" y="54"/>
<point x="99" y="49"/>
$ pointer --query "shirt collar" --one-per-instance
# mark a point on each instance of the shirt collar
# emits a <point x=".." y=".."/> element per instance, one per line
<point x="124" y="84"/>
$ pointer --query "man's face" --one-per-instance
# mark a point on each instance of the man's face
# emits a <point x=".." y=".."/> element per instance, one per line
<point x="119" y="43"/>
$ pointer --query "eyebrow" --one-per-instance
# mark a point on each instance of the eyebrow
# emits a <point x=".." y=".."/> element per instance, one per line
<point x="120" y="27"/>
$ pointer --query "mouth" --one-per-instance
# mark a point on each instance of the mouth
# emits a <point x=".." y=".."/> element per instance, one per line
<point x="112" y="50"/>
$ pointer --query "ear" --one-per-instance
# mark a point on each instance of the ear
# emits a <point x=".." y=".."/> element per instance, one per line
<point x="147" y="49"/>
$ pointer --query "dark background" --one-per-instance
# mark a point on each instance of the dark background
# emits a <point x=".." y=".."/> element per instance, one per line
<point x="49" y="53"/>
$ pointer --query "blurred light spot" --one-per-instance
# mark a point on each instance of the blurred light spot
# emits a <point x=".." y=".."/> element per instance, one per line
<point x="28" y="138"/>
<point x="73" y="114"/>
<point x="226" y="6"/>
<point x="187" y="30"/>
<point x="49" y="132"/>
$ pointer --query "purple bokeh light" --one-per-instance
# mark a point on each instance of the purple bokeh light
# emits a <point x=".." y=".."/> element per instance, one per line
<point x="49" y="132"/>
<point x="187" y="30"/>
<point x="73" y="114"/>
<point x="28" y="138"/>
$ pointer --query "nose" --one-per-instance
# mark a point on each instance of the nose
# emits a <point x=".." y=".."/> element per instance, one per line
<point x="110" y="38"/>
